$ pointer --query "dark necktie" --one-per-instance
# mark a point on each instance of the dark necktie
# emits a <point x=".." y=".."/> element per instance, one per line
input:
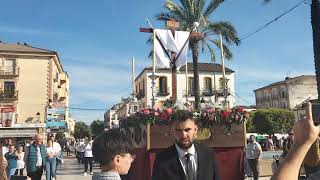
<point x="189" y="170"/>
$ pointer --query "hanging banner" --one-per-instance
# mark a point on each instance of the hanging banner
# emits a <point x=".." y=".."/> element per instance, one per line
<point x="7" y="116"/>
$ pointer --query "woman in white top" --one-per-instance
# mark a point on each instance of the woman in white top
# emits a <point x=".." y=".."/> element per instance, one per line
<point x="51" y="162"/>
<point x="88" y="157"/>
<point x="20" y="162"/>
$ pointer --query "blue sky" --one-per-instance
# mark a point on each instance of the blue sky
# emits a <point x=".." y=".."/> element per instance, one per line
<point x="96" y="40"/>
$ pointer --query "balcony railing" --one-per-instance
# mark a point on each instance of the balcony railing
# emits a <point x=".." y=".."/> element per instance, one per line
<point x="140" y="95"/>
<point x="207" y="92"/>
<point x="9" y="71"/>
<point x="8" y="95"/>
<point x="163" y="92"/>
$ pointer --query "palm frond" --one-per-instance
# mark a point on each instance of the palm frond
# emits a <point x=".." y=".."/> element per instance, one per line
<point x="226" y="51"/>
<point x="164" y="16"/>
<point x="199" y="5"/>
<point x="212" y="53"/>
<point x="229" y="33"/>
<point x="211" y="7"/>
<point x="175" y="9"/>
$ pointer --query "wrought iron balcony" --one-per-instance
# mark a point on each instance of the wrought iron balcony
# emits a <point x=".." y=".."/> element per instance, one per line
<point x="207" y="92"/>
<point x="8" y="95"/>
<point x="140" y="95"/>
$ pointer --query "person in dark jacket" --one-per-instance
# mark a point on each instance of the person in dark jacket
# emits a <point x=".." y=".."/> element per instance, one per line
<point x="11" y="158"/>
<point x="185" y="160"/>
<point x="35" y="158"/>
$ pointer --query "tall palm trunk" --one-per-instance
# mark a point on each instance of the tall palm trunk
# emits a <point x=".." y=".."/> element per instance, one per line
<point x="315" y="21"/>
<point x="195" y="53"/>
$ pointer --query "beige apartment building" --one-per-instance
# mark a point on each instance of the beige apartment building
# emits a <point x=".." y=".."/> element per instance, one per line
<point x="32" y="81"/>
<point x="210" y="79"/>
<point x="121" y="110"/>
<point x="286" y="94"/>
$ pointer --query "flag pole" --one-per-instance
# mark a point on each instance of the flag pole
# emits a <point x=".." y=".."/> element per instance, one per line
<point x="224" y="81"/>
<point x="186" y="81"/>
<point x="153" y="71"/>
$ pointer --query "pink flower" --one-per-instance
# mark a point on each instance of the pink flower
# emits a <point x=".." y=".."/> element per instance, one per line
<point x="237" y="117"/>
<point x="240" y="110"/>
<point x="247" y="115"/>
<point x="146" y="112"/>
<point x="211" y="110"/>
<point x="157" y="108"/>
<point x="169" y="111"/>
<point x="156" y="113"/>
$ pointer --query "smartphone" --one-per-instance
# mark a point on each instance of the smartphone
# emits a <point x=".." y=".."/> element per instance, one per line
<point x="316" y="112"/>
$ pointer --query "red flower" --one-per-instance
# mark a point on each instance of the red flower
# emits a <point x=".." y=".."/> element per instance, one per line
<point x="164" y="116"/>
<point x="225" y="114"/>
<point x="169" y="111"/>
<point x="240" y="110"/>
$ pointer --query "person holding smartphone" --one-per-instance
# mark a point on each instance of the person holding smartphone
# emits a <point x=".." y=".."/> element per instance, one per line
<point x="305" y="134"/>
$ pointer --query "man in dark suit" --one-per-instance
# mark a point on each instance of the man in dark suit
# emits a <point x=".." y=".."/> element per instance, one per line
<point x="185" y="160"/>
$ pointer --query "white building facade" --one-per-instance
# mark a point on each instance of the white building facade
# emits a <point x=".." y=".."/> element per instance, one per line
<point x="210" y="83"/>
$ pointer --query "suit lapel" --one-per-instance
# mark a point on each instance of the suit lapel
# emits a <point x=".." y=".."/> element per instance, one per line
<point x="201" y="159"/>
<point x="177" y="163"/>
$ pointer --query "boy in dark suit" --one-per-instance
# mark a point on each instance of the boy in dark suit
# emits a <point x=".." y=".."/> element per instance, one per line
<point x="185" y="160"/>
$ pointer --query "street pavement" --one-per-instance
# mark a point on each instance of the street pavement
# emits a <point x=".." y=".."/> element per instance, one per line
<point x="71" y="170"/>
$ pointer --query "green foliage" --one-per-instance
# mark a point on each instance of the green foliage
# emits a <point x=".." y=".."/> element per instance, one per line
<point x="249" y="124"/>
<point x="271" y="121"/>
<point x="97" y="127"/>
<point x="81" y="130"/>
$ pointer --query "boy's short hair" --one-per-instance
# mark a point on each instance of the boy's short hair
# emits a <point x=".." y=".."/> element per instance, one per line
<point x="109" y="144"/>
<point x="182" y="115"/>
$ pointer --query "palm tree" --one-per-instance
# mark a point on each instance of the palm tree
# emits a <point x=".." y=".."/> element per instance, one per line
<point x="315" y="22"/>
<point x="186" y="12"/>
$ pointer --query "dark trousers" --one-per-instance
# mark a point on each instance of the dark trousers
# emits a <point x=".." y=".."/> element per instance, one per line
<point x="17" y="171"/>
<point x="87" y="161"/>
<point x="254" y="166"/>
<point x="82" y="161"/>
<point x="36" y="175"/>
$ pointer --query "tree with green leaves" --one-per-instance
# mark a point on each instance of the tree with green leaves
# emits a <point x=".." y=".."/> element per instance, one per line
<point x="315" y="22"/>
<point x="97" y="127"/>
<point x="81" y="130"/>
<point x="269" y="121"/>
<point x="187" y="12"/>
